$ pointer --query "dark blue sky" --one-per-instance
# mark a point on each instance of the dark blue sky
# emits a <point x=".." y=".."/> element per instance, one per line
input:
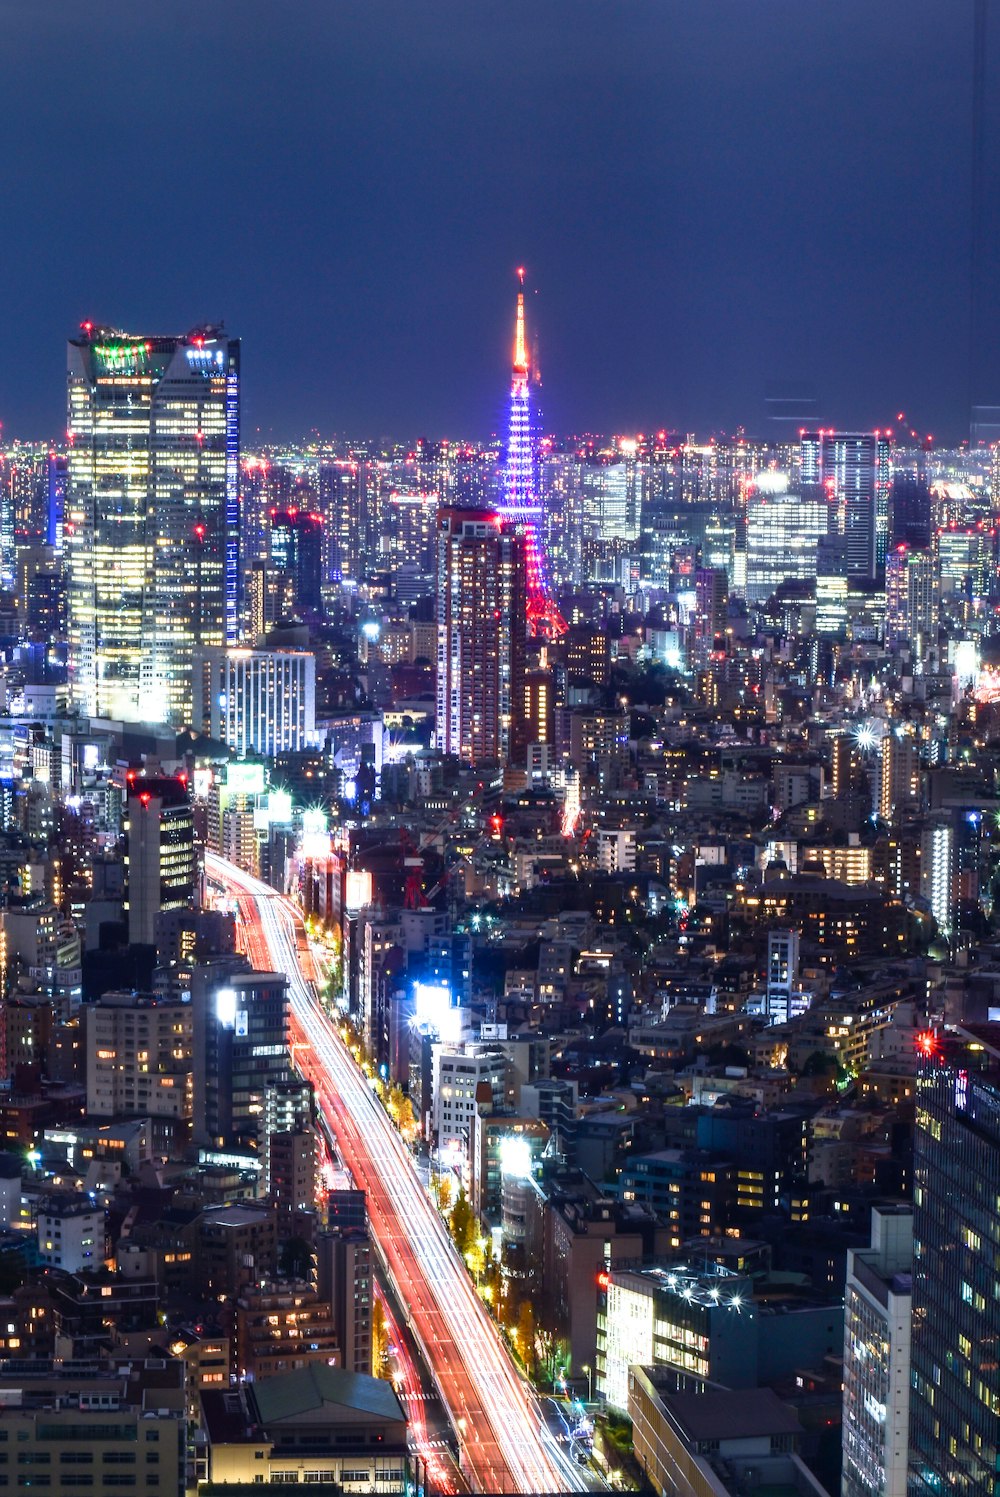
<point x="712" y="197"/>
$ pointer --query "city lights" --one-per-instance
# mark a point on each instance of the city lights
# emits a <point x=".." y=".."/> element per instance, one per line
<point x="516" y="1158"/>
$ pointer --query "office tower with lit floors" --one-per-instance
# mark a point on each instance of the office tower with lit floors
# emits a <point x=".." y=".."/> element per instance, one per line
<point x="296" y="551"/>
<point x="482" y="633"/>
<point x="240" y="1026"/>
<point x="877" y="1319"/>
<point x="161" y="856"/>
<point x="855" y="468"/>
<point x="783" y="531"/>
<point x="151" y="528"/>
<point x="955" y="1389"/>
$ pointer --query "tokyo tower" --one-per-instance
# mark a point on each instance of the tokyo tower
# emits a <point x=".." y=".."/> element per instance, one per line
<point x="521" y="504"/>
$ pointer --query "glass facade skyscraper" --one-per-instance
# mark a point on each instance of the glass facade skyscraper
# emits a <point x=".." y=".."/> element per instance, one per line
<point x="955" y="1396"/>
<point x="783" y="530"/>
<point x="856" y="470"/>
<point x="151" y="529"/>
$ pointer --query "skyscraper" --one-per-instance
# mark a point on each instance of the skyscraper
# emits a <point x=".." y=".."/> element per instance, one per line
<point x="482" y="628"/>
<point x="856" y="469"/>
<point x="711" y="591"/>
<point x="240" y="1049"/>
<point x="258" y="701"/>
<point x="899" y="779"/>
<point x="911" y="600"/>
<point x="955" y="1397"/>
<point x="296" y="547"/>
<point x="161" y="860"/>
<point x="151" y="517"/>
<point x="877" y="1311"/>
<point x="910" y="510"/>
<point x="783" y="530"/>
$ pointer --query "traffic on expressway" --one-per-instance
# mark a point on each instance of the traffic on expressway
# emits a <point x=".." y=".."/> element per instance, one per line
<point x="504" y="1443"/>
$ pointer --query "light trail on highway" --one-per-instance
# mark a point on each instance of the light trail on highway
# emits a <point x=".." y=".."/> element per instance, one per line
<point x="409" y="1390"/>
<point x="504" y="1441"/>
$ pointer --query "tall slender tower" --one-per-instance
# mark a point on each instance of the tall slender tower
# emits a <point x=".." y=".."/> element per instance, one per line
<point x="521" y="504"/>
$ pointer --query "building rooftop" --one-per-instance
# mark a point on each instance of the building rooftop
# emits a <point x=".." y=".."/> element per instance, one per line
<point x="730" y="1415"/>
<point x="296" y="1393"/>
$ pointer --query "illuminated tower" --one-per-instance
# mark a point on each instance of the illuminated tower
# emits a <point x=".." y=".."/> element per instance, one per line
<point x="521" y="504"/>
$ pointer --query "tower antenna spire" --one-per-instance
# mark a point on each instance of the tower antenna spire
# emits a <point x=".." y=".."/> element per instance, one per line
<point x="520" y="342"/>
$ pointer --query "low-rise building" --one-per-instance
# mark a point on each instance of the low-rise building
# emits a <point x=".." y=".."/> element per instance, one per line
<point x="106" y="1429"/>
<point x="71" y="1233"/>
<point x="716" y="1444"/>
<point x="282" y="1328"/>
<point x="320" y="1425"/>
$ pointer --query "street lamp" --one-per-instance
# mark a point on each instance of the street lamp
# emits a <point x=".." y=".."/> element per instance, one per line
<point x="586" y="1367"/>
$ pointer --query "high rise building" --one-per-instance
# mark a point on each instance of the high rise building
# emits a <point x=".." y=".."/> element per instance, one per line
<point x="139" y="1058"/>
<point x="711" y="592"/>
<point x="937" y="849"/>
<point x="845" y="764"/>
<point x="783" y="530"/>
<point x="296" y="550"/>
<point x="482" y="628"/>
<point x="161" y="858"/>
<point x="240" y="1047"/>
<point x="954" y="1397"/>
<point x="41" y="595"/>
<point x="611" y="494"/>
<point x="782" y="973"/>
<point x="910" y="511"/>
<point x="533" y="723"/>
<point x="966" y="559"/>
<point x="258" y="701"/>
<point x="521" y="503"/>
<point x="344" y="1276"/>
<point x="152" y="516"/>
<point x="899" y="782"/>
<point x="877" y="1310"/>
<point x="856" y="470"/>
<point x="831" y="587"/>
<point x="411" y="542"/>
<point x="350" y="504"/>
<point x="911" y="599"/>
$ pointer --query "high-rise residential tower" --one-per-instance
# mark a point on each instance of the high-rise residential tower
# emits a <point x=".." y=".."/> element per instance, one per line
<point x="482" y="629"/>
<point x="911" y="599"/>
<point x="151" y="525"/>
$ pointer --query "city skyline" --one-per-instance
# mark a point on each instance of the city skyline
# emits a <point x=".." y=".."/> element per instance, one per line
<point x="708" y="212"/>
<point x="500" y="929"/>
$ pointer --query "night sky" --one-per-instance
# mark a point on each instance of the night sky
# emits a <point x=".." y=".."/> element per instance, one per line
<point x="712" y="197"/>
